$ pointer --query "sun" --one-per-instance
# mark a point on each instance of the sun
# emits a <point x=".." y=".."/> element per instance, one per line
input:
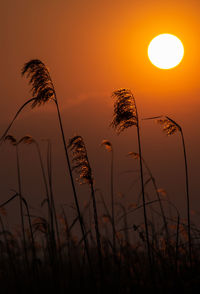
<point x="165" y="51"/>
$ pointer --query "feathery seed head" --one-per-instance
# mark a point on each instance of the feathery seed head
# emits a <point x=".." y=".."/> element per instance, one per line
<point x="11" y="139"/>
<point x="125" y="112"/>
<point x="80" y="159"/>
<point x="39" y="77"/>
<point x="134" y="155"/>
<point x="170" y="127"/>
<point x="26" y="140"/>
<point x="107" y="145"/>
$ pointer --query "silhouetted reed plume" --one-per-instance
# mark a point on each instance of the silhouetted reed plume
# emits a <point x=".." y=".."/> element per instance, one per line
<point x="82" y="167"/>
<point x="80" y="160"/>
<point x="42" y="85"/>
<point x="107" y="145"/>
<point x="170" y="127"/>
<point x="125" y="111"/>
<point x="125" y="115"/>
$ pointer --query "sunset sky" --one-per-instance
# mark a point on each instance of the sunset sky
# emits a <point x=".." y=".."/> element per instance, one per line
<point x="91" y="48"/>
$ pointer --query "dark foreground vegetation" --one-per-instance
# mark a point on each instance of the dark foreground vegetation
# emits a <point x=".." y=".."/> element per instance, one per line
<point x="159" y="253"/>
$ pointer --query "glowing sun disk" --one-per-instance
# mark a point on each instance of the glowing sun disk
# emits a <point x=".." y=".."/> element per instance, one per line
<point x="165" y="51"/>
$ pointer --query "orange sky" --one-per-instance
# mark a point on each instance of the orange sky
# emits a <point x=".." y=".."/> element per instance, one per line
<point x="91" y="48"/>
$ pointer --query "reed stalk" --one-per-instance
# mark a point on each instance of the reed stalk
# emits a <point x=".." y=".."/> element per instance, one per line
<point x="53" y="209"/>
<point x="187" y="197"/>
<point x="171" y="127"/>
<point x="50" y="214"/>
<point x="109" y="148"/>
<point x="125" y="116"/>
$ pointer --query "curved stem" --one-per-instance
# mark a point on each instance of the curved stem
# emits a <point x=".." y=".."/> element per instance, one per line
<point x="45" y="181"/>
<point x="187" y="197"/>
<point x="16" y="115"/>
<point x="96" y="225"/>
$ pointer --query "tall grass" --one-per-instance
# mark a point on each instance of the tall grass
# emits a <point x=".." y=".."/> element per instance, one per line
<point x="53" y="257"/>
<point x="82" y="166"/>
<point x="126" y="115"/>
<point x="43" y="91"/>
<point x="171" y="127"/>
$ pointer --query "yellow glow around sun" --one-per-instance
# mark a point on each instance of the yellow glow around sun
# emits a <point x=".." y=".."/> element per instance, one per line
<point x="165" y="51"/>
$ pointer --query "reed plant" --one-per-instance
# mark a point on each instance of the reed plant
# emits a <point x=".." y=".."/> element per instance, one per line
<point x="43" y="91"/>
<point x="170" y="127"/>
<point x="83" y="168"/>
<point x="125" y="116"/>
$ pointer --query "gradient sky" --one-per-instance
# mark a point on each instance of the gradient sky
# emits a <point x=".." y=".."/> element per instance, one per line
<point x="91" y="48"/>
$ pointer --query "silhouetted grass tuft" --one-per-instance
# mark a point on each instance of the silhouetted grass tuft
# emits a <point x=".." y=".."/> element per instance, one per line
<point x="39" y="77"/>
<point x="125" y="115"/>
